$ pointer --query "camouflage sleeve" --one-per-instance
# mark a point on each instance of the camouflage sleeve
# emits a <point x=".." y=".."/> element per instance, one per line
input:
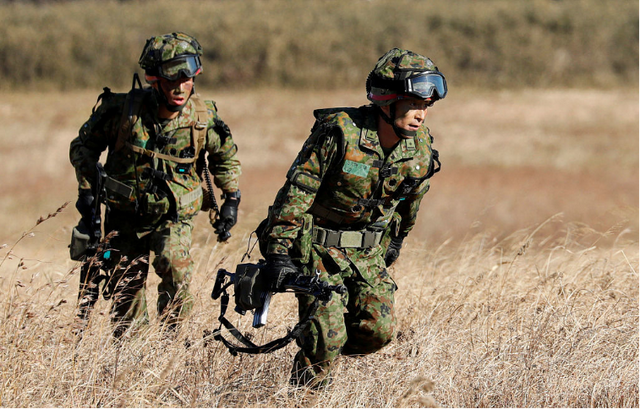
<point x="222" y="153"/>
<point x="93" y="138"/>
<point x="408" y="208"/>
<point x="299" y="191"/>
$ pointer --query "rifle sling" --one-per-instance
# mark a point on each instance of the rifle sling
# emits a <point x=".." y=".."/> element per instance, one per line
<point x="250" y="347"/>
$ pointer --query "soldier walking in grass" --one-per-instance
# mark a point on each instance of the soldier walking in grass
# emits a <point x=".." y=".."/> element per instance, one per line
<point x="350" y="199"/>
<point x="159" y="139"/>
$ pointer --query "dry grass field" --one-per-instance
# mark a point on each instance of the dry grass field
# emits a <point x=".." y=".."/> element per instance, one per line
<point x="518" y="287"/>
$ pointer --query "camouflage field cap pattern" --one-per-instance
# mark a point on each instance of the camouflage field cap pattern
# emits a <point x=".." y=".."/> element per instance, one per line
<point x="166" y="47"/>
<point x="394" y="67"/>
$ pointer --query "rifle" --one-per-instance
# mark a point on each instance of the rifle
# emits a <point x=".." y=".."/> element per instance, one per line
<point x="253" y="293"/>
<point x="87" y="246"/>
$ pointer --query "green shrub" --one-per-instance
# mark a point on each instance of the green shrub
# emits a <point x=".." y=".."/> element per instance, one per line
<point x="324" y="43"/>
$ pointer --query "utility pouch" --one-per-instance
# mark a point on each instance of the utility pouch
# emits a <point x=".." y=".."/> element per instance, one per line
<point x="80" y="239"/>
<point x="302" y="245"/>
<point x="392" y="230"/>
<point x="262" y="240"/>
<point x="155" y="207"/>
<point x="250" y="286"/>
<point x="120" y="196"/>
<point x="301" y="249"/>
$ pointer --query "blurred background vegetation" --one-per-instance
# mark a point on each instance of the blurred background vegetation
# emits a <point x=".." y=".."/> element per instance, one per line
<point x="324" y="44"/>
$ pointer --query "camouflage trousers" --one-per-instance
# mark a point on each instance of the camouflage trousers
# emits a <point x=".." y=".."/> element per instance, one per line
<point x="170" y="242"/>
<point x="362" y="321"/>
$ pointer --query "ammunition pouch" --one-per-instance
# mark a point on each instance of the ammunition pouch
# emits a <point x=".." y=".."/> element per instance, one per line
<point x="154" y="207"/>
<point x="151" y="209"/>
<point x="302" y="245"/>
<point x="120" y="196"/>
<point x="114" y="186"/>
<point x="392" y="230"/>
<point x="80" y="242"/>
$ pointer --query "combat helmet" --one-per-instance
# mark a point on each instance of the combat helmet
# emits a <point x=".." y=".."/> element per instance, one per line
<point x="403" y="73"/>
<point x="170" y="56"/>
<point x="400" y="74"/>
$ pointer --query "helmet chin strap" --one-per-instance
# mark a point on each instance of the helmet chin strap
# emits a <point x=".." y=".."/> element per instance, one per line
<point x="391" y="120"/>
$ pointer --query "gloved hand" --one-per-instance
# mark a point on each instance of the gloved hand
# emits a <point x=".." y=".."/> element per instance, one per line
<point x="277" y="269"/>
<point x="228" y="216"/>
<point x="393" y="251"/>
<point x="85" y="206"/>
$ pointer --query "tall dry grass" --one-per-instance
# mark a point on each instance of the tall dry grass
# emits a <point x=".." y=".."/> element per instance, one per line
<point x="528" y="320"/>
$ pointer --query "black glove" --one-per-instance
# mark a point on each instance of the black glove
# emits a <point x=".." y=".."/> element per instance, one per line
<point x="85" y="206"/>
<point x="228" y="216"/>
<point x="278" y="269"/>
<point x="393" y="251"/>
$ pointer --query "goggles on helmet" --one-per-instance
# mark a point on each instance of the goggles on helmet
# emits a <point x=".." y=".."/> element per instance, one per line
<point x="187" y="65"/>
<point x="425" y="84"/>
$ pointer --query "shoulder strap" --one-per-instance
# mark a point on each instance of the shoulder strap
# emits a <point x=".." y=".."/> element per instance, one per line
<point x="200" y="126"/>
<point x="130" y="115"/>
<point x="325" y="124"/>
<point x="106" y="93"/>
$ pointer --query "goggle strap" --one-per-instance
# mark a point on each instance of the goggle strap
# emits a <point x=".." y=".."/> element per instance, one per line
<point x="393" y="85"/>
<point x="383" y="97"/>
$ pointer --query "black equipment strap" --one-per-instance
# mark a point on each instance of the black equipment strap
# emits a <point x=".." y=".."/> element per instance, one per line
<point x="250" y="347"/>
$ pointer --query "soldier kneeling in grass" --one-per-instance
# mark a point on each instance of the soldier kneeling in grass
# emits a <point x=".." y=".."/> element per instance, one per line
<point x="351" y="197"/>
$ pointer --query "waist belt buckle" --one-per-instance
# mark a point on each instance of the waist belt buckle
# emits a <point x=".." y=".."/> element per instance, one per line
<point x="371" y="239"/>
<point x="319" y="235"/>
<point x="351" y="239"/>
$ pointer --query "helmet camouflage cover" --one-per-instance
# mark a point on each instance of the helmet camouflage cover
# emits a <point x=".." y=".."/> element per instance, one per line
<point x="391" y="78"/>
<point x="168" y="47"/>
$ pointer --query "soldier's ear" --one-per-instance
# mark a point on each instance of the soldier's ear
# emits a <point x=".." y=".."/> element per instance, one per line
<point x="386" y="109"/>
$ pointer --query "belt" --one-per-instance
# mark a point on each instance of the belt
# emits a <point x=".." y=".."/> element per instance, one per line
<point x="190" y="197"/>
<point x="343" y="238"/>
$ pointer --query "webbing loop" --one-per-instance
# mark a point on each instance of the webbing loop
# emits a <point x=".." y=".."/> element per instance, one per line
<point x="249" y="347"/>
<point x="346" y="238"/>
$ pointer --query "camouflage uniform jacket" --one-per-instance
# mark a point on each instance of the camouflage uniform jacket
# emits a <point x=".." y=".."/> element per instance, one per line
<point x="141" y="181"/>
<point x="342" y="180"/>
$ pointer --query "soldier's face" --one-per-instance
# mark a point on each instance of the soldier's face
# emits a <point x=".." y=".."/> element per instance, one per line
<point x="411" y="113"/>
<point x="178" y="91"/>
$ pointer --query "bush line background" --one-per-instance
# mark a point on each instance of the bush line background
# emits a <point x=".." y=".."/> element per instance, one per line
<point x="322" y="44"/>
